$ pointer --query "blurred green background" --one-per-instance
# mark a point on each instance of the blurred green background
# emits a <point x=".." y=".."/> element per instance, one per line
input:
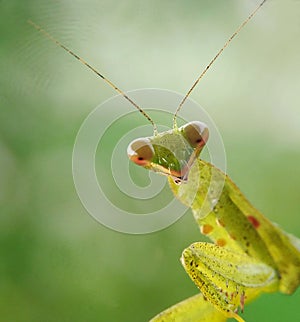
<point x="57" y="263"/>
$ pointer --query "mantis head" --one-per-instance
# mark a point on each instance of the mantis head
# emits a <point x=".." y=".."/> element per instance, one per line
<point x="172" y="152"/>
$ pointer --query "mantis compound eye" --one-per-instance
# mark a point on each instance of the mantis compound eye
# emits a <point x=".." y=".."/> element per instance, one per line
<point x="196" y="133"/>
<point x="140" y="151"/>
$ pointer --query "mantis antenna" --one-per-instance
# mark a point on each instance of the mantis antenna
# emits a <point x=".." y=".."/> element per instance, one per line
<point x="213" y="60"/>
<point x="111" y="84"/>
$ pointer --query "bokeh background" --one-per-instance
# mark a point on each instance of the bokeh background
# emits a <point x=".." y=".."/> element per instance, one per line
<point x="56" y="262"/>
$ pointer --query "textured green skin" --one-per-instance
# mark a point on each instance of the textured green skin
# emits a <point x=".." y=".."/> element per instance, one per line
<point x="226" y="278"/>
<point x="266" y="243"/>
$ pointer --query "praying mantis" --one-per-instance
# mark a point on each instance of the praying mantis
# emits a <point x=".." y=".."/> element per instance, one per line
<point x="248" y="255"/>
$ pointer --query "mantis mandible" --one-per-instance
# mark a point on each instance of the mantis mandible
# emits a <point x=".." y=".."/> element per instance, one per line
<point x="249" y="254"/>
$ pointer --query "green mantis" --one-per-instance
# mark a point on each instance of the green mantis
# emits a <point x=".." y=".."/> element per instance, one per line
<point x="249" y="254"/>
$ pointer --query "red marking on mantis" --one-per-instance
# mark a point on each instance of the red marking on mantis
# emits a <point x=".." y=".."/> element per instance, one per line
<point x="254" y="221"/>
<point x="206" y="229"/>
<point x="221" y="242"/>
